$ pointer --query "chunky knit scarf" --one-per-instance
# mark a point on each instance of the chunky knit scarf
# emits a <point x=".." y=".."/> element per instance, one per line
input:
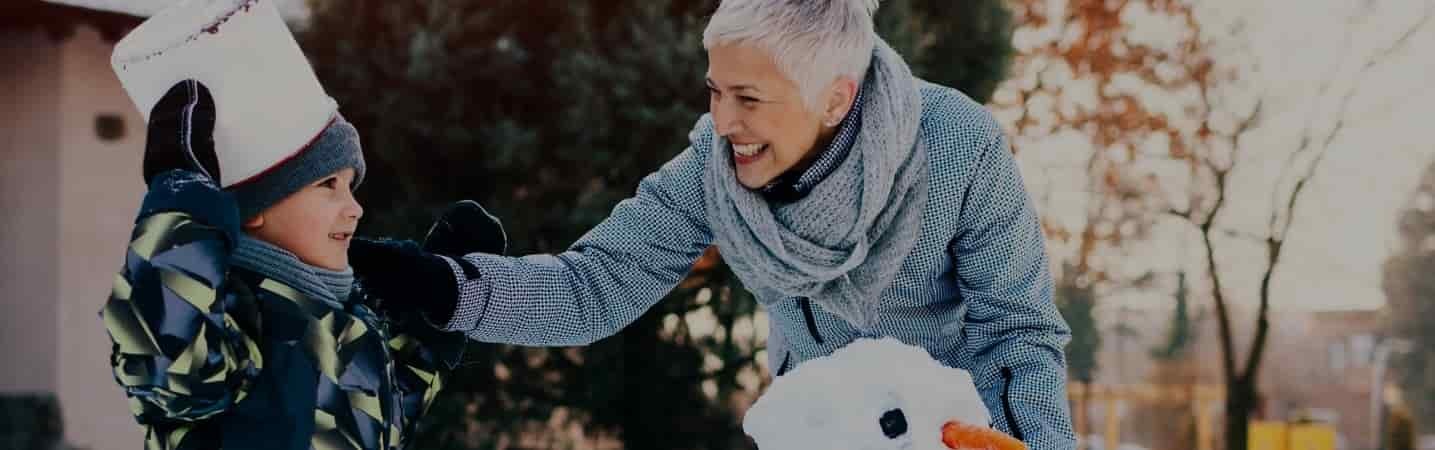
<point x="844" y="242"/>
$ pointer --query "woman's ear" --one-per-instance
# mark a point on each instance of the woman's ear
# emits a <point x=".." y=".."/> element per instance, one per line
<point x="843" y="93"/>
<point x="254" y="222"/>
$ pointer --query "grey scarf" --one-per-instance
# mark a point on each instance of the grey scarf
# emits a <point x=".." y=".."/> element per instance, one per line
<point x="330" y="286"/>
<point x="844" y="242"/>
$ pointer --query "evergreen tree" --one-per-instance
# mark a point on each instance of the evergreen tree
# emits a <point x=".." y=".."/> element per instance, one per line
<point x="1410" y="298"/>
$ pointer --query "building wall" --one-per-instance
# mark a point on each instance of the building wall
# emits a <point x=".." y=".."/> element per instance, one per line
<point x="1316" y="364"/>
<point x="99" y="190"/>
<point x="29" y="218"/>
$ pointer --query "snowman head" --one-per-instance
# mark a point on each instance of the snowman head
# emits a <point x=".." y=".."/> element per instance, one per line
<point x="874" y="394"/>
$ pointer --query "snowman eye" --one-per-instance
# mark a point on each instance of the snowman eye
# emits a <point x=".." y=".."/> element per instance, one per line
<point x="893" y="423"/>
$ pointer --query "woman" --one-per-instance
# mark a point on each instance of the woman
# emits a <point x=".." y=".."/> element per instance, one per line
<point x="852" y="198"/>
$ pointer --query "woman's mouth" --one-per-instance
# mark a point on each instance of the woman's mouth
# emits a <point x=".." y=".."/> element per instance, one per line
<point x="342" y="236"/>
<point x="747" y="153"/>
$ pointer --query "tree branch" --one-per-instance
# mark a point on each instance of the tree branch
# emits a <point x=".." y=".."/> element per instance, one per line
<point x="1244" y="235"/>
<point x="1404" y="37"/>
<point x="1280" y="230"/>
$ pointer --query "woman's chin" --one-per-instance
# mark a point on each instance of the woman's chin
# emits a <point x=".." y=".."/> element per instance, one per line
<point x="752" y="181"/>
<point x="756" y="174"/>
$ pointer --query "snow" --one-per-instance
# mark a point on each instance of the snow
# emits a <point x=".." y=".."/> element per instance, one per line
<point x="837" y="402"/>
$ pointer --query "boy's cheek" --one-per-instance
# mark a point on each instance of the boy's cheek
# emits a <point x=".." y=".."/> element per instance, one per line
<point x="341" y="258"/>
<point x="335" y="254"/>
<point x="322" y="251"/>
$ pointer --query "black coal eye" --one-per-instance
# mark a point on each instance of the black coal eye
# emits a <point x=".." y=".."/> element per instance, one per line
<point x="893" y="423"/>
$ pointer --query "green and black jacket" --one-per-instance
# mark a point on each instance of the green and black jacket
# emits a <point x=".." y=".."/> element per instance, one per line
<point x="214" y="356"/>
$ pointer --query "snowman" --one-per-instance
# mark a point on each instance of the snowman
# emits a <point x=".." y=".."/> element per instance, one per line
<point x="874" y="394"/>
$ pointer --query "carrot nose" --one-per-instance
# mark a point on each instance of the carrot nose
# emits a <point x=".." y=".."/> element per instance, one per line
<point x="960" y="436"/>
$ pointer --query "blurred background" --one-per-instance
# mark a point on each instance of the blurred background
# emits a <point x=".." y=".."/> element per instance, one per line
<point x="1239" y="200"/>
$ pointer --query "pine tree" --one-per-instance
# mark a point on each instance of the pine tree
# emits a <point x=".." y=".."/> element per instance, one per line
<point x="1410" y="298"/>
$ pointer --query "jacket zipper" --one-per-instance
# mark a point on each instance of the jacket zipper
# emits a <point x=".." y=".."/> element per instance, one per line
<point x="380" y="326"/>
<point x="806" y="305"/>
<point x="1006" y="405"/>
<point x="393" y="391"/>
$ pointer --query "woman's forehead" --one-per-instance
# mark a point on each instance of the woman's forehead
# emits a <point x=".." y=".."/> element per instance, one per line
<point x="734" y="66"/>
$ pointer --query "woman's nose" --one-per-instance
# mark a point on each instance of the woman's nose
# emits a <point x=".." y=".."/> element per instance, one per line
<point x="726" y="121"/>
<point x="727" y="126"/>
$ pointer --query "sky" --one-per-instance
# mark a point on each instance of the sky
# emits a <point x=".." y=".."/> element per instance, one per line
<point x="1345" y="225"/>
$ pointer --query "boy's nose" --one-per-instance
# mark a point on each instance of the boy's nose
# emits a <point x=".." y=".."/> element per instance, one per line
<point x="354" y="210"/>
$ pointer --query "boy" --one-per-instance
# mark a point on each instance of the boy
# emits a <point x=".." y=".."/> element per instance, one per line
<point x="236" y="322"/>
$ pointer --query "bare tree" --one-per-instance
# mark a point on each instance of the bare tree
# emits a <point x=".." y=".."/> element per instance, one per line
<point x="1217" y="152"/>
<point x="1075" y="72"/>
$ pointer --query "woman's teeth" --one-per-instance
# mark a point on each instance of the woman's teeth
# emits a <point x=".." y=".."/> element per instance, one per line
<point x="748" y="149"/>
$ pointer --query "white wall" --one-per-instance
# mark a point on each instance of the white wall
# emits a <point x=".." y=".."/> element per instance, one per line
<point x="100" y="188"/>
<point x="29" y="172"/>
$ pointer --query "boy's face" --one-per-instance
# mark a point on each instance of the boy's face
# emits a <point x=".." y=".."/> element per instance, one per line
<point x="315" y="223"/>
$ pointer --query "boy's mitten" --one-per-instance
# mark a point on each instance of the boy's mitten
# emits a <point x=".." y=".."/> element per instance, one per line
<point x="181" y="132"/>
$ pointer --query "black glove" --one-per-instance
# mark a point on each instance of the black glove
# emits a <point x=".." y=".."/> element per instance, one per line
<point x="405" y="277"/>
<point x="466" y="228"/>
<point x="181" y="132"/>
<point x="411" y="277"/>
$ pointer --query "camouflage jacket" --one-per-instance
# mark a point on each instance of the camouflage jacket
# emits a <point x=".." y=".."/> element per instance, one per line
<point x="216" y="356"/>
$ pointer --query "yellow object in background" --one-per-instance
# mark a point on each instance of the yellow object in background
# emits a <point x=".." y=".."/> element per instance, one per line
<point x="1267" y="436"/>
<point x="1282" y="436"/>
<point x="1312" y="437"/>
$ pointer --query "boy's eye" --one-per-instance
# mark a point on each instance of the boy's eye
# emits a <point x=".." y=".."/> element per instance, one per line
<point x="330" y="182"/>
<point x="749" y="101"/>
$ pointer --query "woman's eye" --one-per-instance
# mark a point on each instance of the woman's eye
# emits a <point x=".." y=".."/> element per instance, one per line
<point x="330" y="183"/>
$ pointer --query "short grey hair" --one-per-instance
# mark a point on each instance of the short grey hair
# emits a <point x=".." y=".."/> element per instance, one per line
<point x="812" y="42"/>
